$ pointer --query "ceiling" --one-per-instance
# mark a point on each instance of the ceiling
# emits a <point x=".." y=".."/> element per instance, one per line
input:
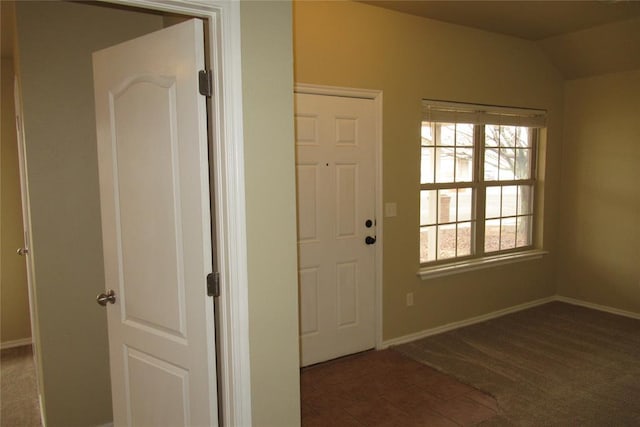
<point x="531" y="20"/>
<point x="581" y="38"/>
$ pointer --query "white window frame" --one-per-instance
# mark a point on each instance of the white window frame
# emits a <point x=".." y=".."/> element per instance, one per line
<point x="480" y="116"/>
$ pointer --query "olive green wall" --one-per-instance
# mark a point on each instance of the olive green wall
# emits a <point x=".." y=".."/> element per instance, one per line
<point x="600" y="231"/>
<point x="14" y="322"/>
<point x="409" y="58"/>
<point x="267" y="85"/>
<point x="55" y="43"/>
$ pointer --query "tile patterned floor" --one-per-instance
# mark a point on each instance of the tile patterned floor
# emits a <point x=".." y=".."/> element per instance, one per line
<point x="385" y="388"/>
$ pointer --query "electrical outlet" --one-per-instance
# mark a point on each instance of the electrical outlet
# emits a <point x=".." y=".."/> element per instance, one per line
<point x="409" y="299"/>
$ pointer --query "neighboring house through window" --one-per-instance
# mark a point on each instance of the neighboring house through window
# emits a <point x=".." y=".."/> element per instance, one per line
<point x="477" y="181"/>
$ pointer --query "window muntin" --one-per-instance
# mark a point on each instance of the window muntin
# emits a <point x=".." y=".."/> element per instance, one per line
<point x="477" y="182"/>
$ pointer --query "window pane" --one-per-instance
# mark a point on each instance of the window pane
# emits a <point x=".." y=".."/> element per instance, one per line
<point x="509" y="200"/>
<point x="523" y="236"/>
<point x="444" y="164"/>
<point x="491" y="162"/>
<point x="523" y="163"/>
<point x="492" y="235"/>
<point x="427" y="174"/>
<point x="508" y="233"/>
<point x="446" y="206"/>
<point x="464" y="238"/>
<point x="491" y="135"/>
<point x="465" y="204"/>
<point x="493" y="202"/>
<point x="426" y="133"/>
<point x="507" y="136"/>
<point x="464" y="164"/>
<point x="427" y="244"/>
<point x="446" y="241"/>
<point x="507" y="164"/>
<point x="446" y="134"/>
<point x="464" y="135"/>
<point x="525" y="205"/>
<point x="523" y="137"/>
<point x="428" y="212"/>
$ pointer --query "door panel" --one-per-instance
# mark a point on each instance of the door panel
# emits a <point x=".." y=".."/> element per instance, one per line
<point x="152" y="148"/>
<point x="336" y="195"/>
<point x="144" y="371"/>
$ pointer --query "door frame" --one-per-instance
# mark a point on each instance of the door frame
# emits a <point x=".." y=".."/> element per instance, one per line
<point x="376" y="97"/>
<point x="228" y="192"/>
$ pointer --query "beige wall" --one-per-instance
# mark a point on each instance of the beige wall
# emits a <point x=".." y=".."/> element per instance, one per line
<point x="410" y="58"/>
<point x="14" y="321"/>
<point x="603" y="49"/>
<point x="267" y="84"/>
<point x="55" y="44"/>
<point x="600" y="231"/>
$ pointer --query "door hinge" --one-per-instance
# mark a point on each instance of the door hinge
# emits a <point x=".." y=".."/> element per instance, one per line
<point x="205" y="82"/>
<point x="213" y="284"/>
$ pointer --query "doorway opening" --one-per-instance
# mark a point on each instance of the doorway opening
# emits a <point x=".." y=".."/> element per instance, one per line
<point x="66" y="212"/>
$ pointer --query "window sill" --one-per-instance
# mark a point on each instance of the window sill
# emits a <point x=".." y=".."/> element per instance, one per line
<point x="479" y="263"/>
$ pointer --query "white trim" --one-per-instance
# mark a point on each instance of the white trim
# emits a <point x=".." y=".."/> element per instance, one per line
<point x="231" y="232"/>
<point x="467" y="322"/>
<point x="478" y="263"/>
<point x="225" y="48"/>
<point x="348" y="92"/>
<point x="16" y="343"/>
<point x="376" y="97"/>
<point x="43" y="421"/>
<point x="598" y="307"/>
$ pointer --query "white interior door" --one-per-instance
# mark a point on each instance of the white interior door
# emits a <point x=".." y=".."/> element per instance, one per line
<point x="154" y="192"/>
<point x="26" y="227"/>
<point x="335" y="164"/>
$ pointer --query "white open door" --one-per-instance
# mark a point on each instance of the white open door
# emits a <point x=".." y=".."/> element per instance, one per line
<point x="26" y="227"/>
<point x="154" y="192"/>
<point x="336" y="182"/>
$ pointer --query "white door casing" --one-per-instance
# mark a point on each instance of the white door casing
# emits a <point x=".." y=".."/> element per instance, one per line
<point x="336" y="193"/>
<point x="154" y="191"/>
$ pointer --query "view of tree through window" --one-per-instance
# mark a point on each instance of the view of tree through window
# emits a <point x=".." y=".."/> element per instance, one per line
<point x="476" y="189"/>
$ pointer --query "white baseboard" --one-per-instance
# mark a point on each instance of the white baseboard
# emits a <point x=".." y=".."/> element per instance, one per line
<point x="16" y="343"/>
<point x="598" y="307"/>
<point x="462" y="323"/>
<point x="499" y="313"/>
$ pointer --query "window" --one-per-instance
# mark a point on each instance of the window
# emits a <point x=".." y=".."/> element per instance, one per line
<point x="477" y="181"/>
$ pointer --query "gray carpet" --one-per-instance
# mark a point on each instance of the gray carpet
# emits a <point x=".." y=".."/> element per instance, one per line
<point x="18" y="391"/>
<point x="551" y="365"/>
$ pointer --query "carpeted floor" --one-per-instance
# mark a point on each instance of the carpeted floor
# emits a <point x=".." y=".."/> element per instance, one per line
<point x="18" y="391"/>
<point x="551" y="365"/>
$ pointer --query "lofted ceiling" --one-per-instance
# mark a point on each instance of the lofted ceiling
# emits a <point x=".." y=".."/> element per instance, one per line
<point x="582" y="38"/>
<point x="531" y="20"/>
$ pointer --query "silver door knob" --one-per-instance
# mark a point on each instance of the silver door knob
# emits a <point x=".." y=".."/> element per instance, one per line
<point x="22" y="251"/>
<point x="109" y="297"/>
